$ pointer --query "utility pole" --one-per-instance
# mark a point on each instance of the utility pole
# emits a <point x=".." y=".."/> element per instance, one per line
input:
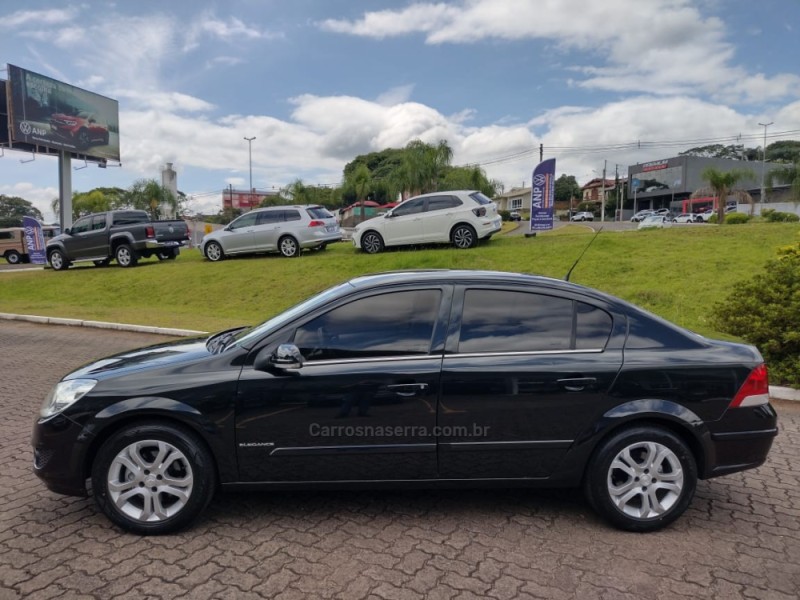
<point x="764" y="160"/>
<point x="603" y="194"/>
<point x="250" y="149"/>
<point x="618" y="190"/>
<point x="541" y="152"/>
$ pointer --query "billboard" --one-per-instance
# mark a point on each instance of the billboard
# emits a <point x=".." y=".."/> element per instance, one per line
<point x="50" y="113"/>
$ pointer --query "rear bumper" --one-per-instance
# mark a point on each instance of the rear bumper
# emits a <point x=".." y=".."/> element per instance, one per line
<point x="321" y="238"/>
<point x="740" y="450"/>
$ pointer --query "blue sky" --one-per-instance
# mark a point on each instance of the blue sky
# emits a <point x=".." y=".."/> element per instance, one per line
<point x="318" y="82"/>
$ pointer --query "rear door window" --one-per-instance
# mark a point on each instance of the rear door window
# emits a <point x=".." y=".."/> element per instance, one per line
<point x="291" y="215"/>
<point x="442" y="203"/>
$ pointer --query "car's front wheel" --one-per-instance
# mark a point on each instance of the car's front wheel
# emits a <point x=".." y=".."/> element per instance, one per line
<point x="153" y="478"/>
<point x="372" y="242"/>
<point x="464" y="237"/>
<point x="214" y="252"/>
<point x="641" y="479"/>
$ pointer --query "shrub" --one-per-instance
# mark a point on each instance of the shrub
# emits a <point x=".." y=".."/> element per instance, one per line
<point x="736" y="218"/>
<point x="713" y="218"/>
<point x="504" y="214"/>
<point x="774" y="216"/>
<point x="767" y="212"/>
<point x="765" y="311"/>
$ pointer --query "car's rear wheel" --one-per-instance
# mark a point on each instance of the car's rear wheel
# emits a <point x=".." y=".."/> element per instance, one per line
<point x="214" y="252"/>
<point x="372" y="242"/>
<point x="641" y="479"/>
<point x="13" y="257"/>
<point x="153" y="478"/>
<point x="463" y="237"/>
<point x="57" y="260"/>
<point x="126" y="256"/>
<point x="289" y="247"/>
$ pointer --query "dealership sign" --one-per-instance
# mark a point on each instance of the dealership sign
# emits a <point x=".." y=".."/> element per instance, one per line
<point x="34" y="240"/>
<point x="59" y="116"/>
<point x="543" y="195"/>
<point x="656" y="165"/>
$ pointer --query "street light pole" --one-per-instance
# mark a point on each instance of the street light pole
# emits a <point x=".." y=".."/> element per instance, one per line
<point x="250" y="151"/>
<point x="764" y="159"/>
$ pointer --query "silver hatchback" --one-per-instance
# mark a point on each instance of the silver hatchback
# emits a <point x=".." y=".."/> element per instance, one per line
<point x="284" y="229"/>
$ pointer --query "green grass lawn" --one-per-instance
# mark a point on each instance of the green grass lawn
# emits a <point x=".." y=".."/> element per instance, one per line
<point x="677" y="273"/>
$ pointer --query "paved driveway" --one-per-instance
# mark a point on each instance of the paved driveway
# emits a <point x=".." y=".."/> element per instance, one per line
<point x="739" y="539"/>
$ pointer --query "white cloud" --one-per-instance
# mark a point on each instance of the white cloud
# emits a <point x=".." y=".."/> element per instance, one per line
<point x="660" y="46"/>
<point x="37" y="18"/>
<point x="396" y="95"/>
<point x="232" y="29"/>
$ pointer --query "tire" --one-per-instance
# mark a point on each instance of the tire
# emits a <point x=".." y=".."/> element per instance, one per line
<point x="289" y="247"/>
<point x="372" y="242"/>
<point x="57" y="260"/>
<point x="102" y="263"/>
<point x="153" y="478"/>
<point x="622" y="469"/>
<point x="463" y="237"/>
<point x="169" y="254"/>
<point x="125" y="256"/>
<point x="83" y="139"/>
<point x="13" y="257"/>
<point x="214" y="252"/>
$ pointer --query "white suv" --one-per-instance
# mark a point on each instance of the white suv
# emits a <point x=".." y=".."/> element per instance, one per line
<point x="284" y="229"/>
<point x="460" y="218"/>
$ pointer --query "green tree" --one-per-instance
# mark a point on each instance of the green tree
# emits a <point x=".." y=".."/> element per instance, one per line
<point x="13" y="208"/>
<point x="468" y="178"/>
<point x="567" y="188"/>
<point x="422" y="165"/>
<point x="789" y="175"/>
<point x="149" y="195"/>
<point x="732" y="151"/>
<point x="722" y="184"/>
<point x="785" y="151"/>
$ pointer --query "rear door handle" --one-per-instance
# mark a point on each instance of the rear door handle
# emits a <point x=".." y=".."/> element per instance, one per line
<point x="577" y="384"/>
<point x="407" y="389"/>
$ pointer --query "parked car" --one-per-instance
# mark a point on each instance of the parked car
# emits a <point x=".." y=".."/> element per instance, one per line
<point x="687" y="218"/>
<point x="639" y="216"/>
<point x="412" y="379"/>
<point x="461" y="218"/>
<point x="582" y="216"/>
<point x="655" y="221"/>
<point x="121" y="235"/>
<point x="284" y="229"/>
<point x="12" y="243"/>
<point x="82" y="128"/>
<point x="515" y="215"/>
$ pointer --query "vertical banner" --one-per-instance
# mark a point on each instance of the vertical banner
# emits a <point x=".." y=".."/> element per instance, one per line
<point x="33" y="240"/>
<point x="543" y="195"/>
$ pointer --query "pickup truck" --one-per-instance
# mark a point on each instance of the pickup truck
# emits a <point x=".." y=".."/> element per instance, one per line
<point x="121" y="235"/>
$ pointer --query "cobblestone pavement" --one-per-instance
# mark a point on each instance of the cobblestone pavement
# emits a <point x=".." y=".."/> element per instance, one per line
<point x="739" y="539"/>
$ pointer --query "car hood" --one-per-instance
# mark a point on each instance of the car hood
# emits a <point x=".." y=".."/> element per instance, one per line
<point x="142" y="359"/>
<point x="370" y="222"/>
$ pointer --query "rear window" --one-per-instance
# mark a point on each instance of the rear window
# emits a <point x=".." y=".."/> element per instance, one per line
<point x="317" y="212"/>
<point x="480" y="198"/>
<point x="130" y="218"/>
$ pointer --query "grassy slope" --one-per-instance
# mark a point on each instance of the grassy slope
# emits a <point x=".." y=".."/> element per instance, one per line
<point x="677" y="273"/>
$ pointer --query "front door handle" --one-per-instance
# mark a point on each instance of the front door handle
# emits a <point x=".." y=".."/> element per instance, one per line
<point x="406" y="390"/>
<point x="576" y="384"/>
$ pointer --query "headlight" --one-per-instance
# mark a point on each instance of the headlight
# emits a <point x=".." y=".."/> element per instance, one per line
<point x="65" y="394"/>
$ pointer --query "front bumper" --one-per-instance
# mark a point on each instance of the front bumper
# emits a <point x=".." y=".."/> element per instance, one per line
<point x="59" y="449"/>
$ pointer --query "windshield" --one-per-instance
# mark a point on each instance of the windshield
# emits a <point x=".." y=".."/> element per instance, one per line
<point x="247" y="336"/>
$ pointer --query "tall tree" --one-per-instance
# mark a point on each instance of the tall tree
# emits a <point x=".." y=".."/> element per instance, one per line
<point x="468" y="178"/>
<point x="789" y="174"/>
<point x="567" y="188"/>
<point x="149" y="195"/>
<point x="722" y="184"/>
<point x="785" y="151"/>
<point x="422" y="166"/>
<point x="13" y="208"/>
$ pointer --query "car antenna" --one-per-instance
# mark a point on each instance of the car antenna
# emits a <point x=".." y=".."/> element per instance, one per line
<point x="575" y="264"/>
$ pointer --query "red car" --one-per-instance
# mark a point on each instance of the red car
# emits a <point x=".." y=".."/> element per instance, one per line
<point x="83" y="128"/>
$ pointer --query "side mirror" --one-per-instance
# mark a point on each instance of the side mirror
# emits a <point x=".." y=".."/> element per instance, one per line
<point x="388" y="215"/>
<point x="228" y="228"/>
<point x="68" y="231"/>
<point x="287" y="358"/>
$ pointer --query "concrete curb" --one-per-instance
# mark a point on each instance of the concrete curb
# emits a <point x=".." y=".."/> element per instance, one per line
<point x="777" y="392"/>
<point x="103" y="325"/>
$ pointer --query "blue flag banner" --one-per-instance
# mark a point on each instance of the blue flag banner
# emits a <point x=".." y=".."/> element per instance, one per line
<point x="543" y="195"/>
<point x="33" y="239"/>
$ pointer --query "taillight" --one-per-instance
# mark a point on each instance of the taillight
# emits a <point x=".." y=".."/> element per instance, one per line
<point x="479" y="212"/>
<point x="316" y="224"/>
<point x="150" y="231"/>
<point x="754" y="390"/>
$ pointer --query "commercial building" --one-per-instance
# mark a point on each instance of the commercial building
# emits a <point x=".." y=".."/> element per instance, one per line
<point x="245" y="200"/>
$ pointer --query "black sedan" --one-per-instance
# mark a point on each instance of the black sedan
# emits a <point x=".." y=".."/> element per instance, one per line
<point x="414" y="379"/>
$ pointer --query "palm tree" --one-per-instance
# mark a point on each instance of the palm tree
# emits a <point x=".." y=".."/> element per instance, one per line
<point x="361" y="181"/>
<point x="422" y="165"/>
<point x="722" y="185"/>
<point x="790" y="175"/>
<point x="149" y="195"/>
